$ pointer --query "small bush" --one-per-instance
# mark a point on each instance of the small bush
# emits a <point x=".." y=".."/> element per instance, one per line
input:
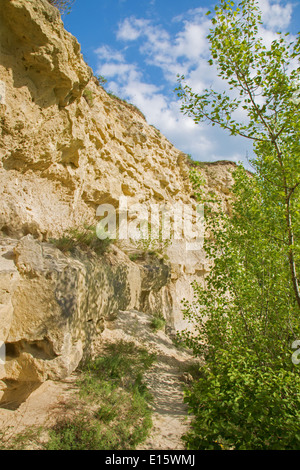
<point x="89" y="97"/>
<point x="100" y="80"/>
<point x="134" y="256"/>
<point x="158" y="322"/>
<point x="64" y="6"/>
<point x="76" y="434"/>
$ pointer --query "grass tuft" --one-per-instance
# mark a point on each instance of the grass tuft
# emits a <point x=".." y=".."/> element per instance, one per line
<point x="157" y="322"/>
<point x="83" y="237"/>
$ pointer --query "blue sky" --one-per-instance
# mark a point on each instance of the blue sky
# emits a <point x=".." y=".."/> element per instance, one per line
<point x="140" y="46"/>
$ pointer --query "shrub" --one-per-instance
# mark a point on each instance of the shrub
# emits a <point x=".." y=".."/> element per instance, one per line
<point x="100" y="80"/>
<point x="191" y="162"/>
<point x="64" y="6"/>
<point x="240" y="405"/>
<point x="158" y="322"/>
<point x="75" y="434"/>
<point x="89" y="97"/>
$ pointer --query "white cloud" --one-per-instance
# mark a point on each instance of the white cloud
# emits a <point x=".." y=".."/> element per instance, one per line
<point x="171" y="54"/>
<point x="275" y="15"/>
<point x="191" y="43"/>
<point x="119" y="71"/>
<point x="131" y="28"/>
<point x="106" y="53"/>
<point x="184" y="52"/>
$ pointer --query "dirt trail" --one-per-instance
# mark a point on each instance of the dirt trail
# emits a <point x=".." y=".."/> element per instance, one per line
<point x="170" y="419"/>
<point x="165" y="381"/>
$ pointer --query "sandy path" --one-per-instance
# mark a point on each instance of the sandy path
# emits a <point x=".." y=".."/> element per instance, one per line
<point x="169" y="412"/>
<point x="165" y="379"/>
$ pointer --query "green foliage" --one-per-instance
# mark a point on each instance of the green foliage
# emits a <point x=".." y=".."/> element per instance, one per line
<point x="111" y="412"/>
<point x="152" y="241"/>
<point x="80" y="433"/>
<point x="64" y="6"/>
<point x="134" y="256"/>
<point x="84" y="237"/>
<point x="251" y="70"/>
<point x="246" y="316"/>
<point x="114" y="96"/>
<point x="114" y="386"/>
<point x="101" y="80"/>
<point x="157" y="322"/>
<point x="121" y="360"/>
<point x="248" y="300"/>
<point x="89" y="97"/>
<point x="245" y="319"/>
<point x="241" y="405"/>
<point x="191" y="162"/>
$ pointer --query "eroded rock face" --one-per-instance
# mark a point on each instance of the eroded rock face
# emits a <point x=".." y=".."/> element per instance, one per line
<point x="54" y="306"/>
<point x="66" y="147"/>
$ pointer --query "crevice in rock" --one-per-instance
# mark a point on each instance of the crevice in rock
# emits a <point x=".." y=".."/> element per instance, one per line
<point x="40" y="349"/>
<point x="144" y="298"/>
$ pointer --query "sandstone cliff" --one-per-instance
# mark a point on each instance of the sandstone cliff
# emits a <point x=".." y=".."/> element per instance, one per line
<point x="67" y="147"/>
